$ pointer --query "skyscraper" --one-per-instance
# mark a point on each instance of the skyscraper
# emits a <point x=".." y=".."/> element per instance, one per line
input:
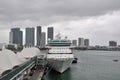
<point x="74" y="42"/>
<point x="50" y="33"/>
<point x="112" y="43"/>
<point x="86" y="42"/>
<point x="16" y="36"/>
<point x="38" y="35"/>
<point x="81" y="42"/>
<point x="43" y="39"/>
<point x="30" y="38"/>
<point x="10" y="37"/>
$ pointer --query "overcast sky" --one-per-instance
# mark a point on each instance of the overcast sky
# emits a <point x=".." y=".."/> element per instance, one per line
<point x="97" y="20"/>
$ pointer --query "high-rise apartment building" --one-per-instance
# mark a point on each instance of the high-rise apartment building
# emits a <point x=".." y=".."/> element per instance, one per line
<point x="86" y="42"/>
<point x="50" y="33"/>
<point x="10" y="37"/>
<point x="81" y="42"/>
<point x="74" y="42"/>
<point x="112" y="43"/>
<point x="43" y="39"/>
<point x="16" y="36"/>
<point x="30" y="37"/>
<point x="38" y="35"/>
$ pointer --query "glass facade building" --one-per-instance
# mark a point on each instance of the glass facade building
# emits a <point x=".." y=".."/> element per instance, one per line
<point x="16" y="36"/>
<point x="30" y="37"/>
<point x="38" y="35"/>
<point x="50" y="33"/>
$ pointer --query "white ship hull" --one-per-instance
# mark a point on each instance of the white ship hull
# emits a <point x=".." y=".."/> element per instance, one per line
<point x="60" y="65"/>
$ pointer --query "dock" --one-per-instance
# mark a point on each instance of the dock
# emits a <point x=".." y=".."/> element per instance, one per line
<point x="38" y="74"/>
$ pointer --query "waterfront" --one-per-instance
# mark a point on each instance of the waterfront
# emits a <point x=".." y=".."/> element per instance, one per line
<point x="92" y="65"/>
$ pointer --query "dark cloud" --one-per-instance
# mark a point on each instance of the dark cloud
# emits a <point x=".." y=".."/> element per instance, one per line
<point x="47" y="11"/>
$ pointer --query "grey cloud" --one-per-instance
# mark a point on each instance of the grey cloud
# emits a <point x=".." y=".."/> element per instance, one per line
<point x="99" y="29"/>
<point x="48" y="11"/>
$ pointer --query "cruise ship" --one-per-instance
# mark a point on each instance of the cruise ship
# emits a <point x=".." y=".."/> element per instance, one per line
<point x="60" y="55"/>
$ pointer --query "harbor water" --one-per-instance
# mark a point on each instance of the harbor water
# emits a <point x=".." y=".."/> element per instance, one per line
<point x="91" y="65"/>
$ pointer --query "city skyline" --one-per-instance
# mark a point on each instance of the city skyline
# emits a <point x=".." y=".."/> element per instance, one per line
<point x="79" y="18"/>
<point x="30" y="32"/>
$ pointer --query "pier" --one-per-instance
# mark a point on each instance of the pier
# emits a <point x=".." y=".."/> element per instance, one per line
<point x="38" y="74"/>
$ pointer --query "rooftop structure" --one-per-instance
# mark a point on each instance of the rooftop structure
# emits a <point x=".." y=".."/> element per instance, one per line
<point x="28" y="53"/>
<point x="8" y="60"/>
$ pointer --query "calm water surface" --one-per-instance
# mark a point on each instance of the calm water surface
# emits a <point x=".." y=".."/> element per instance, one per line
<point x="92" y="65"/>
